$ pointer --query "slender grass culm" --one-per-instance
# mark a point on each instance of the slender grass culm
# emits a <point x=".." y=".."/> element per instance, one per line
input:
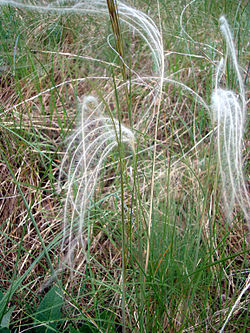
<point x="229" y="113"/>
<point x="116" y="27"/>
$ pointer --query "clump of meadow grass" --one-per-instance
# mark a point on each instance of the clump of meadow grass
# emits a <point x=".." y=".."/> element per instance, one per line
<point x="157" y="260"/>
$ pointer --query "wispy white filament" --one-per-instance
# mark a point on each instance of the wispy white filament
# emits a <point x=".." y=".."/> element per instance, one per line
<point x="244" y="290"/>
<point x="86" y="152"/>
<point x="138" y="21"/>
<point x="229" y="113"/>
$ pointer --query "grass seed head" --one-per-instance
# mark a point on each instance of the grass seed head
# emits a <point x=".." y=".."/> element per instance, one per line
<point x="90" y="145"/>
<point x="228" y="111"/>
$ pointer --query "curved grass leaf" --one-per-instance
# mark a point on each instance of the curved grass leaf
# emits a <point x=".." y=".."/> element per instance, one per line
<point x="49" y="311"/>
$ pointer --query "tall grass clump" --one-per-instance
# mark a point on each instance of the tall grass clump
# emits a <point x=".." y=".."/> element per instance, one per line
<point x="111" y="218"/>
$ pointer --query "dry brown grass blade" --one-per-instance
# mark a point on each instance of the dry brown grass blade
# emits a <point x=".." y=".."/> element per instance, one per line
<point x="116" y="27"/>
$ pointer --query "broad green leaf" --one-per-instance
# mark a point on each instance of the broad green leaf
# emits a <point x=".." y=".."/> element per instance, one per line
<point x="5" y="322"/>
<point x="2" y="304"/>
<point x="4" y="330"/>
<point x="49" y="311"/>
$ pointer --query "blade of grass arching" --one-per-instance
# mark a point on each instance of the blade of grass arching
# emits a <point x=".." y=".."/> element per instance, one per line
<point x="217" y="262"/>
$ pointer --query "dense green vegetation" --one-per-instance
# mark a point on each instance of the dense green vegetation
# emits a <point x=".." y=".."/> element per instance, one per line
<point x="158" y="254"/>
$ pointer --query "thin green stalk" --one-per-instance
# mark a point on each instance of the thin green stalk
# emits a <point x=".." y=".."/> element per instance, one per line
<point x="158" y="107"/>
<point x="124" y="240"/>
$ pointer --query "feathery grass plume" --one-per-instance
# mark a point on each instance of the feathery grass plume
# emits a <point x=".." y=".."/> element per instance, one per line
<point x="134" y="18"/>
<point x="138" y="21"/>
<point x="228" y="112"/>
<point x="87" y="149"/>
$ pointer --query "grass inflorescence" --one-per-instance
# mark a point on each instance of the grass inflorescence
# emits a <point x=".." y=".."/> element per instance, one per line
<point x="123" y="199"/>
